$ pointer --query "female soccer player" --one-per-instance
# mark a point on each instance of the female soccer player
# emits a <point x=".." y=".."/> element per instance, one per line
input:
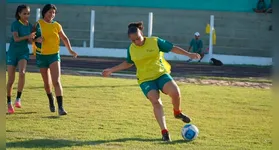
<point x="146" y="53"/>
<point x="47" y="43"/>
<point x="18" y="53"/>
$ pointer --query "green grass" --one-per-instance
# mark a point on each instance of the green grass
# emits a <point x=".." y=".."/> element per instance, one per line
<point x="111" y="113"/>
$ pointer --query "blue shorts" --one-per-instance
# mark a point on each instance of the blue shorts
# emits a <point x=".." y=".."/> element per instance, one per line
<point x="13" y="59"/>
<point x="156" y="84"/>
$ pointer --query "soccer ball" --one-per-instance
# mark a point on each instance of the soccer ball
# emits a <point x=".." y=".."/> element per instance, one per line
<point x="189" y="132"/>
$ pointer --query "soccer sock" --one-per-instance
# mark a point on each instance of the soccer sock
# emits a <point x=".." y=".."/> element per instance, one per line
<point x="60" y="101"/>
<point x="18" y="95"/>
<point x="9" y="100"/>
<point x="176" y="112"/>
<point x="164" y="131"/>
<point x="50" y="98"/>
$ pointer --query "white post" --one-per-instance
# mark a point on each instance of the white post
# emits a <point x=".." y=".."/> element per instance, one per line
<point x="150" y="24"/>
<point x="38" y="14"/>
<point x="211" y="36"/>
<point x="84" y="43"/>
<point x="92" y="28"/>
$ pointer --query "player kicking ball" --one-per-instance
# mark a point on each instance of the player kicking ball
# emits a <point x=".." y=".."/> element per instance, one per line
<point x="153" y="72"/>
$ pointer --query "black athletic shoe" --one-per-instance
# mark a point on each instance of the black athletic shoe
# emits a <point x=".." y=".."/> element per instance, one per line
<point x="61" y="111"/>
<point x="166" y="137"/>
<point x="183" y="117"/>
<point x="52" y="108"/>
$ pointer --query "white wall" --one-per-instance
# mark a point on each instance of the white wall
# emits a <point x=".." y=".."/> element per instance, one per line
<point x="121" y="53"/>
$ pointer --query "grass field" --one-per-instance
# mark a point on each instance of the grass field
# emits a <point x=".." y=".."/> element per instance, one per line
<point x="110" y="113"/>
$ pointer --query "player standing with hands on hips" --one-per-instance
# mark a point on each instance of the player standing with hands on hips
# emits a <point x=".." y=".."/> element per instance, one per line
<point x="146" y="53"/>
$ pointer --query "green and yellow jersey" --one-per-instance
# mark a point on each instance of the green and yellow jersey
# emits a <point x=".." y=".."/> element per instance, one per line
<point x="149" y="58"/>
<point x="50" y="34"/>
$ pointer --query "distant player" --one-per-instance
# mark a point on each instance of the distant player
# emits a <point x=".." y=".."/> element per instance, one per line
<point x="18" y="53"/>
<point x="47" y="44"/>
<point x="146" y="53"/>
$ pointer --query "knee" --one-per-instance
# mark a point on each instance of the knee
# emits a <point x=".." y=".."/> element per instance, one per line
<point x="175" y="94"/>
<point x="21" y="73"/>
<point x="56" y="83"/>
<point x="156" y="102"/>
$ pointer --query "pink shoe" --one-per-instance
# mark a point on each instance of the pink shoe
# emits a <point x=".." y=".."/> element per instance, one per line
<point x="11" y="109"/>
<point x="17" y="103"/>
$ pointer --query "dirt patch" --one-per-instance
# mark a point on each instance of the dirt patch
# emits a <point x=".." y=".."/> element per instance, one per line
<point x="224" y="83"/>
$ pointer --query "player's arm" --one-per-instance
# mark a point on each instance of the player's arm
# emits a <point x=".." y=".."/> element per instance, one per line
<point x="124" y="65"/>
<point x="166" y="46"/>
<point x="66" y="42"/>
<point x="37" y="39"/>
<point x="18" y="38"/>
<point x="33" y="33"/>
<point x="181" y="51"/>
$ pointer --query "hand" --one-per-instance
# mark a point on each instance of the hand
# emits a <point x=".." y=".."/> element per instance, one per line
<point x="32" y="36"/>
<point x="195" y="56"/>
<point x="107" y="72"/>
<point x="73" y="53"/>
<point x="39" y="40"/>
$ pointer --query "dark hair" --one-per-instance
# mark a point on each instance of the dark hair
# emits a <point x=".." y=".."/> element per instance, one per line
<point x="19" y="10"/>
<point x="47" y="7"/>
<point x="133" y="27"/>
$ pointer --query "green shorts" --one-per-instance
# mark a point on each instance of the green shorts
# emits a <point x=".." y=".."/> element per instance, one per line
<point x="13" y="59"/>
<point x="156" y="84"/>
<point x="44" y="61"/>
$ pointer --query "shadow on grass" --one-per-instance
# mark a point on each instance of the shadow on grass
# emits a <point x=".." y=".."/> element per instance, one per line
<point x="60" y="143"/>
<point x="26" y="113"/>
<point x="23" y="113"/>
<point x="51" y="117"/>
<point x="85" y="86"/>
<point x="176" y="142"/>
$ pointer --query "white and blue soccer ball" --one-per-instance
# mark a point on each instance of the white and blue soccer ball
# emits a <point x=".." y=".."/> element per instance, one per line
<point x="189" y="132"/>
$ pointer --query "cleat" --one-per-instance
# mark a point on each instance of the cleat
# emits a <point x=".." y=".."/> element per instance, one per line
<point x="61" y="112"/>
<point x="11" y="109"/>
<point x="52" y="108"/>
<point x="166" y="137"/>
<point x="183" y="117"/>
<point x="18" y="103"/>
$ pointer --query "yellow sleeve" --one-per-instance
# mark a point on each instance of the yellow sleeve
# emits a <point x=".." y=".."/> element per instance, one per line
<point x="59" y="27"/>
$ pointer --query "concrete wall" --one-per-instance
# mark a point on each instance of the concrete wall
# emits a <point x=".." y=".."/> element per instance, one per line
<point x="122" y="53"/>
<point x="216" y="5"/>
<point x="238" y="33"/>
